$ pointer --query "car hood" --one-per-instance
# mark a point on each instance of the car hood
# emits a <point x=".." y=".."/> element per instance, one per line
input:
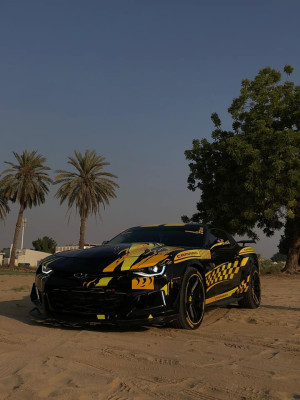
<point x="112" y="259"/>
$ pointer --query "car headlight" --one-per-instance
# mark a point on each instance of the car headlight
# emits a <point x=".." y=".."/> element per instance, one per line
<point x="46" y="270"/>
<point x="156" y="270"/>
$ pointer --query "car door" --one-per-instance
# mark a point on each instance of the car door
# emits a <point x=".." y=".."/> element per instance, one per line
<point x="225" y="272"/>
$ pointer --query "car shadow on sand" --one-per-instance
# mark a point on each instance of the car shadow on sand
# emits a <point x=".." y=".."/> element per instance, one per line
<point x="19" y="310"/>
<point x="280" y="307"/>
<point x="272" y="307"/>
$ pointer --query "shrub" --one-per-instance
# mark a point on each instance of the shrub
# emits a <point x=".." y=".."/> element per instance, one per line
<point x="270" y="267"/>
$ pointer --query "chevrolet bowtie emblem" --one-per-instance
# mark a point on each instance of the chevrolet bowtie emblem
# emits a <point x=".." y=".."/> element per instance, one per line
<point x="80" y="275"/>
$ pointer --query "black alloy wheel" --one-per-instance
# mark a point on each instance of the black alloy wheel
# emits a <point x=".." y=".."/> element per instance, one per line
<point x="252" y="297"/>
<point x="192" y="300"/>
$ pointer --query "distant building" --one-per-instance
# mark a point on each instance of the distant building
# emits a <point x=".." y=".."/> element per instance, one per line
<point x="74" y="247"/>
<point x="27" y="257"/>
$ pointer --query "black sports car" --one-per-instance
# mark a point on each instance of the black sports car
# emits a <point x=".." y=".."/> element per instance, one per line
<point x="148" y="274"/>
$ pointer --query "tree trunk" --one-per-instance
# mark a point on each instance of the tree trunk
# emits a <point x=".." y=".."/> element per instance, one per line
<point x="16" y="237"/>
<point x="292" y="262"/>
<point x="82" y="232"/>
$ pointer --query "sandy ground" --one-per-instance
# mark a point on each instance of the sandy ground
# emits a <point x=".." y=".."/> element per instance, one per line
<point x="236" y="354"/>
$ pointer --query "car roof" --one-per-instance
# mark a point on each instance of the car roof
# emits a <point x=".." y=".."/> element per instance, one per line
<point x="191" y="224"/>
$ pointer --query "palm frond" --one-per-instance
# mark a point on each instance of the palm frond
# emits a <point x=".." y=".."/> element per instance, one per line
<point x="27" y="180"/>
<point x="4" y="209"/>
<point x="89" y="186"/>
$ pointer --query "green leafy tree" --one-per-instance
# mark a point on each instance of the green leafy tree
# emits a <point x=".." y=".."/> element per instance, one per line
<point x="87" y="187"/>
<point x="278" y="257"/>
<point x="25" y="182"/>
<point x="4" y="209"/>
<point x="250" y="176"/>
<point x="46" y="244"/>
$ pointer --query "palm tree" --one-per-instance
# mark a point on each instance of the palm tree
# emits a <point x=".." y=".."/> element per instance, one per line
<point x="26" y="183"/>
<point x="4" y="209"/>
<point x="87" y="187"/>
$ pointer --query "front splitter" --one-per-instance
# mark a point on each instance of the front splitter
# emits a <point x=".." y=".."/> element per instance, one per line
<point x="36" y="314"/>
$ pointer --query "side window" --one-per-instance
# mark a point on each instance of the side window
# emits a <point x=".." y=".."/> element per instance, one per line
<point x="211" y="239"/>
<point x="221" y="235"/>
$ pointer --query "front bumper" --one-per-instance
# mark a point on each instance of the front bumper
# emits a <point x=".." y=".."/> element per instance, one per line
<point x="101" y="306"/>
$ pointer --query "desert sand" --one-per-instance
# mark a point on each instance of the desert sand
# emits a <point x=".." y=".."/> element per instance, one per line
<point x="236" y="354"/>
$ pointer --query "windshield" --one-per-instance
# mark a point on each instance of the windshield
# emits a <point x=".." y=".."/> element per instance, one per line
<point x="188" y="236"/>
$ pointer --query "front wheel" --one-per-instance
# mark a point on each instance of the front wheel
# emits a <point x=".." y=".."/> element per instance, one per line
<point x="251" y="298"/>
<point x="192" y="300"/>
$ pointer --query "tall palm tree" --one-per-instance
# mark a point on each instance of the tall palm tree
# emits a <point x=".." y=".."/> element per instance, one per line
<point x="26" y="183"/>
<point x="87" y="187"/>
<point x="4" y="209"/>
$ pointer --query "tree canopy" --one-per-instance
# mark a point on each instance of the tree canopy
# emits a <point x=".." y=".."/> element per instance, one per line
<point x="249" y="176"/>
<point x="87" y="188"/>
<point x="25" y="182"/>
<point x="46" y="244"/>
<point x="278" y="257"/>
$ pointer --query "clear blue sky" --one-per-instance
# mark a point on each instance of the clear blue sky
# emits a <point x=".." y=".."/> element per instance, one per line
<point x="136" y="81"/>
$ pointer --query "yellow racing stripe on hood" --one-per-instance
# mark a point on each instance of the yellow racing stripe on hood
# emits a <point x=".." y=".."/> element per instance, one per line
<point x="151" y="260"/>
<point x="133" y="252"/>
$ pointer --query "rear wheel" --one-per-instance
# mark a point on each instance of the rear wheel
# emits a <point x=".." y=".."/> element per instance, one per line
<point x="192" y="300"/>
<point x="251" y="298"/>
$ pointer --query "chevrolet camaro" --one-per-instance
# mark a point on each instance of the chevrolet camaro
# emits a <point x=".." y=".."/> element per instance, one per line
<point x="148" y="274"/>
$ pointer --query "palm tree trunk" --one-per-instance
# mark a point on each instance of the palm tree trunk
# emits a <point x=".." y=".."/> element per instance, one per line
<point x="82" y="232"/>
<point x="16" y="237"/>
<point x="292" y="262"/>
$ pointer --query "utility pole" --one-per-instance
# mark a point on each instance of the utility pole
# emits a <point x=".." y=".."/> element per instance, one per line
<point x="24" y="222"/>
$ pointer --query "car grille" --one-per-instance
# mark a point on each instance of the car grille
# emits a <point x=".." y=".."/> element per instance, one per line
<point x="87" y="302"/>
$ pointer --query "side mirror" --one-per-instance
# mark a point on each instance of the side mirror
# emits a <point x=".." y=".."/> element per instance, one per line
<point x="105" y="241"/>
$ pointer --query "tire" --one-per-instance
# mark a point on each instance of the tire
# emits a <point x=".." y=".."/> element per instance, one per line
<point x="192" y="300"/>
<point x="251" y="298"/>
